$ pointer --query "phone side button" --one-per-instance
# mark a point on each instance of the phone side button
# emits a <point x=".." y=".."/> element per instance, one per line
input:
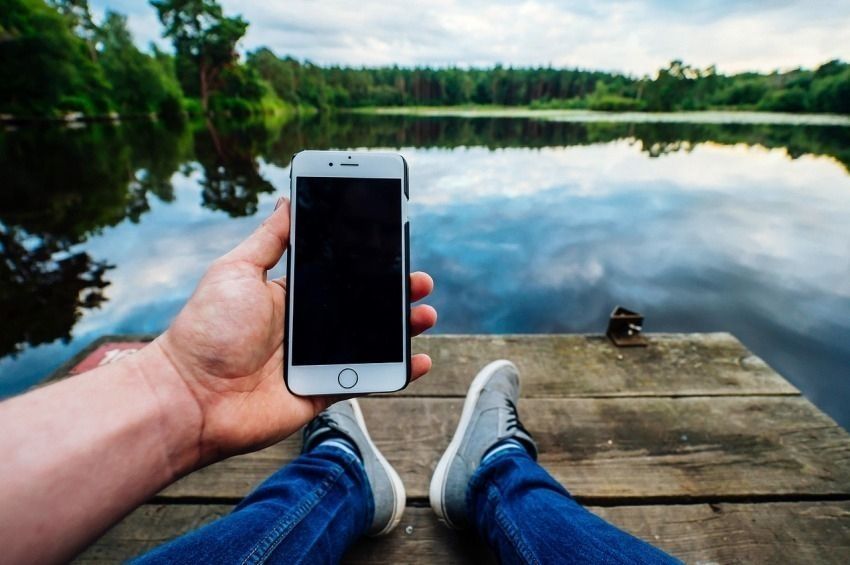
<point x="347" y="378"/>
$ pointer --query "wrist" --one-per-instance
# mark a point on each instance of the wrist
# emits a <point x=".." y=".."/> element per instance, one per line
<point x="179" y="417"/>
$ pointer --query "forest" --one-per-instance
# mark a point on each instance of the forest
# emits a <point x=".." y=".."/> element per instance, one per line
<point x="57" y="59"/>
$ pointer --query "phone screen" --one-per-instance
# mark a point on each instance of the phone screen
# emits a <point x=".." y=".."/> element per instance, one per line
<point x="348" y="282"/>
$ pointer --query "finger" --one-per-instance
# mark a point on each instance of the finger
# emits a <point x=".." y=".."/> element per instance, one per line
<point x="324" y="402"/>
<point x="266" y="245"/>
<point x="421" y="285"/>
<point x="419" y="365"/>
<point x="280" y="281"/>
<point x="422" y="318"/>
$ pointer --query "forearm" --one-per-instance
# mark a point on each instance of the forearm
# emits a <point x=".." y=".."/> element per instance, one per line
<point x="82" y="453"/>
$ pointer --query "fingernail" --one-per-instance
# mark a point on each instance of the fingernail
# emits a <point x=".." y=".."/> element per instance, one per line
<point x="279" y="202"/>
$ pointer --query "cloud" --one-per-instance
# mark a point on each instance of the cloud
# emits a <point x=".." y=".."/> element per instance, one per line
<point x="634" y="36"/>
<point x="141" y="19"/>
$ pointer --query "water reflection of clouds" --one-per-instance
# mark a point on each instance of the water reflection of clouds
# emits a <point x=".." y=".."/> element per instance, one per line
<point x="741" y="240"/>
<point x="548" y="240"/>
<point x="467" y="174"/>
<point x="738" y="207"/>
<point x="167" y="252"/>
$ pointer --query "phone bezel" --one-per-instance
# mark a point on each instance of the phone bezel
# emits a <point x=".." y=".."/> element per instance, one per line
<point x="311" y="380"/>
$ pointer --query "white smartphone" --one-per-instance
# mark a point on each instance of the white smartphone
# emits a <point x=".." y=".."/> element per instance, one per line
<point x="347" y="324"/>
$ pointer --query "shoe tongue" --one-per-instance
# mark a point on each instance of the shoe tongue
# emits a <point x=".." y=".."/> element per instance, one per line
<point x="494" y="397"/>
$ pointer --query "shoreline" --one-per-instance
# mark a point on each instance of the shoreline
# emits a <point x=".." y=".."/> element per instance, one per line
<point x="728" y="117"/>
<point x="595" y="116"/>
<point x="74" y="118"/>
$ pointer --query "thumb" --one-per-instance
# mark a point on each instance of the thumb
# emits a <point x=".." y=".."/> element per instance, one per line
<point x="266" y="245"/>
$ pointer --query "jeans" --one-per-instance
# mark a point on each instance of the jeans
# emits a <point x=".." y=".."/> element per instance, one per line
<point x="526" y="516"/>
<point x="313" y="509"/>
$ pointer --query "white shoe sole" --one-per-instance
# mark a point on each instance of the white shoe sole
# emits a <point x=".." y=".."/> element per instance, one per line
<point x="400" y="497"/>
<point x="437" y="490"/>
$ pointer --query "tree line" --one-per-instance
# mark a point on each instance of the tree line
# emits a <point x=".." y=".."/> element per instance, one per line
<point x="56" y="59"/>
<point x="676" y="87"/>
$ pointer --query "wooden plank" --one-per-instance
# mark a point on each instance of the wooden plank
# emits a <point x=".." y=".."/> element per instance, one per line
<point x="799" y="532"/>
<point x="148" y="527"/>
<point x="587" y="365"/>
<point x="693" y="417"/>
<point x="788" y="532"/>
<point x="575" y="365"/>
<point x="421" y="538"/>
<point x="419" y="534"/>
<point x="606" y="449"/>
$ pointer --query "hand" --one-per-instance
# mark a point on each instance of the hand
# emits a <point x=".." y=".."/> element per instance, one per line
<point x="226" y="346"/>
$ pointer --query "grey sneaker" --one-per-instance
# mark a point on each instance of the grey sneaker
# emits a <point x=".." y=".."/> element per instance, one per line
<point x="345" y="418"/>
<point x="489" y="416"/>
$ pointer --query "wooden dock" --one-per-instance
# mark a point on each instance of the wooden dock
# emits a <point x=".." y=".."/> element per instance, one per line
<point x="693" y="444"/>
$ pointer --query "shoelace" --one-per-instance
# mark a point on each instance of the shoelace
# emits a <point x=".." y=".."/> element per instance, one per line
<point x="513" y="418"/>
<point x="319" y="422"/>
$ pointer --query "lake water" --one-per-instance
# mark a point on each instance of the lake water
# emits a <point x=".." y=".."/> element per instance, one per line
<point x="527" y="227"/>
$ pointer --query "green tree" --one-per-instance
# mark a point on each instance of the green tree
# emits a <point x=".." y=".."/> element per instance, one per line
<point x="743" y="91"/>
<point x="240" y="92"/>
<point x="787" y="100"/>
<point x="46" y="68"/>
<point x="279" y="73"/>
<point x="204" y="42"/>
<point x="78" y="16"/>
<point x="831" y="88"/>
<point x="140" y="84"/>
<point x="669" y="87"/>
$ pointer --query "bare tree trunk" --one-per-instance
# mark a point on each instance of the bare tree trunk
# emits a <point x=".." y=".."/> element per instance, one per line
<point x="204" y="86"/>
<point x="92" y="51"/>
<point x="219" y="148"/>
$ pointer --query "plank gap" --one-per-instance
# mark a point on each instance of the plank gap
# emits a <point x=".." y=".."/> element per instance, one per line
<point x="611" y="502"/>
<point x="602" y="501"/>
<point x="678" y="500"/>
<point x="607" y="395"/>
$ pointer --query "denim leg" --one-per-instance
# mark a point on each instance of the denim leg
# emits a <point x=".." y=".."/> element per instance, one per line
<point x="310" y="511"/>
<point x="526" y="516"/>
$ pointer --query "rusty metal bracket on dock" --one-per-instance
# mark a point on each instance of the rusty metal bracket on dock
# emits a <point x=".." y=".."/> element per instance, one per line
<point x="624" y="328"/>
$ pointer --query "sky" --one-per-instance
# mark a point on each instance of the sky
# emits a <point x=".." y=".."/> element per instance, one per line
<point x="631" y="36"/>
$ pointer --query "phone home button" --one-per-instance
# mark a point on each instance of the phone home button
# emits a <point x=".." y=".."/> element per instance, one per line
<point x="347" y="378"/>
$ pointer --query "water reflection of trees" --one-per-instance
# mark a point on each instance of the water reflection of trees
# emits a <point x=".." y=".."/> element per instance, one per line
<point x="227" y="155"/>
<point x="60" y="186"/>
<point x="358" y="130"/>
<point x="43" y="288"/>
